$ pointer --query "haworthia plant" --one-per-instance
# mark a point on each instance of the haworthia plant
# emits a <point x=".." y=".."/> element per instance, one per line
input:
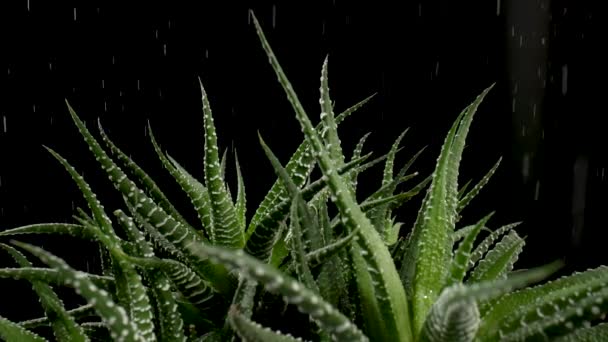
<point x="348" y="266"/>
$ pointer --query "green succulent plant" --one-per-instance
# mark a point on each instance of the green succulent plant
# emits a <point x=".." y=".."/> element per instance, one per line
<point x="310" y="244"/>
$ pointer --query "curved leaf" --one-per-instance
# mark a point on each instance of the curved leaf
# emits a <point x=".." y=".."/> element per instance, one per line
<point x="292" y="291"/>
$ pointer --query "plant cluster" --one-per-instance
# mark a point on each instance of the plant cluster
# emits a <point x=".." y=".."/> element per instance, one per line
<point x="310" y="245"/>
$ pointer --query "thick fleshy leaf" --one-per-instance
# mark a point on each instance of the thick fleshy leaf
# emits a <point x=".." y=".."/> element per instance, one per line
<point x="244" y="295"/>
<point x="299" y="168"/>
<point x="226" y="225"/>
<point x="115" y="317"/>
<point x="330" y="319"/>
<point x="330" y="129"/>
<point x="195" y="190"/>
<point x="260" y="245"/>
<point x="463" y="253"/>
<point x="499" y="261"/>
<point x="431" y="244"/>
<point x="466" y="199"/>
<point x="11" y="331"/>
<point x="102" y="229"/>
<point x="196" y="290"/>
<point x="81" y="312"/>
<point x="455" y="316"/>
<point x="172" y="231"/>
<point x="555" y="307"/>
<point x="169" y="325"/>
<point x="130" y="290"/>
<point x="252" y="332"/>
<point x="75" y="230"/>
<point x="64" y="326"/>
<point x="304" y="275"/>
<point x="241" y="197"/>
<point x="598" y="333"/>
<point x="50" y="276"/>
<point x="356" y="154"/>
<point x="487" y="243"/>
<point x="381" y="214"/>
<point x="308" y="229"/>
<point x="387" y="176"/>
<point x="149" y="184"/>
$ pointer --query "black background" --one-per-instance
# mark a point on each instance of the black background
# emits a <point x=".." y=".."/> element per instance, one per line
<point x="128" y="64"/>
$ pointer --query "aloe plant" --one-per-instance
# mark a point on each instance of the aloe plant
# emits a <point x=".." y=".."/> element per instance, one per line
<point x="351" y="274"/>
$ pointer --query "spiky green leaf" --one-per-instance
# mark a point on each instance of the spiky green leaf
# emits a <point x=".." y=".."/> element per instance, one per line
<point x="149" y="184"/>
<point x="252" y="332"/>
<point x="463" y="253"/>
<point x="114" y="316"/>
<point x="499" y="261"/>
<point x="75" y="230"/>
<point x="226" y="225"/>
<point x="64" y="326"/>
<point x="11" y="331"/>
<point x="466" y="199"/>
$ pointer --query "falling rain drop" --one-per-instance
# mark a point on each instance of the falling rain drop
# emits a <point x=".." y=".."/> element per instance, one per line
<point x="521" y="40"/>
<point x="525" y="167"/>
<point x="164" y="49"/>
<point x="50" y="66"/>
<point x="156" y="33"/>
<point x="206" y="53"/>
<point x="497" y="7"/>
<point x="536" y="190"/>
<point x="564" y="79"/>
<point x="34" y="108"/>
<point x="274" y="16"/>
<point x="74" y="13"/>
<point x="113" y="60"/>
<point x="4" y="123"/>
<point x="513" y="102"/>
<point x="323" y="27"/>
<point x="0" y="180"/>
<point x="543" y="41"/>
<point x="437" y="68"/>
<point x="103" y="84"/>
<point x="138" y="85"/>
<point x="28" y="5"/>
<point x="512" y="30"/>
<point x="534" y="110"/>
<point x="105" y="106"/>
